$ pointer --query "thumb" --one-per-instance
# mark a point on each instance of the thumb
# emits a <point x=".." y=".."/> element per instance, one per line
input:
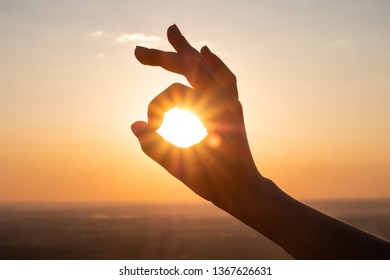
<point x="139" y="128"/>
<point x="152" y="143"/>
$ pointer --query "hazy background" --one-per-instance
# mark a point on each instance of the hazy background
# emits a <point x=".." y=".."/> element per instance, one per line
<point x="154" y="231"/>
<point x="313" y="79"/>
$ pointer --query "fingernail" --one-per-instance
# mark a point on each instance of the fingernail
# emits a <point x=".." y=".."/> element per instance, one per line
<point x="175" y="29"/>
<point x="138" y="128"/>
<point x="140" y="52"/>
<point x="139" y="48"/>
<point x="175" y="26"/>
<point x="206" y="48"/>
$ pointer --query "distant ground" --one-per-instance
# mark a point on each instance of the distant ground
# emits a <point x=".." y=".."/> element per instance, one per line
<point x="129" y="231"/>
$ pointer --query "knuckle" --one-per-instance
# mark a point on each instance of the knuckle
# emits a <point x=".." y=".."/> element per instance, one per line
<point x="175" y="87"/>
<point x="195" y="66"/>
<point x="233" y="78"/>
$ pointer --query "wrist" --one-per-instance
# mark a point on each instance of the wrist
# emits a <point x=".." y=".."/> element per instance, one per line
<point x="259" y="204"/>
<point x="252" y="196"/>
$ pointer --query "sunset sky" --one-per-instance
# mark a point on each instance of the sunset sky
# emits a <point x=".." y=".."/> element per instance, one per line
<point x="313" y="78"/>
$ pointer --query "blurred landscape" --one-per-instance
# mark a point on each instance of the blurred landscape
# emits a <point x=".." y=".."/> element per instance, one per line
<point x="142" y="231"/>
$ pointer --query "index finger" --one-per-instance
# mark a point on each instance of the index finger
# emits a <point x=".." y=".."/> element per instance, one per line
<point x="197" y="72"/>
<point x="181" y="96"/>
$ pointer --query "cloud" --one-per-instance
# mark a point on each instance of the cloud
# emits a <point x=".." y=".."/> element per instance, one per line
<point x="202" y="43"/>
<point x="97" y="33"/>
<point x="340" y="43"/>
<point x="306" y="3"/>
<point x="137" y="37"/>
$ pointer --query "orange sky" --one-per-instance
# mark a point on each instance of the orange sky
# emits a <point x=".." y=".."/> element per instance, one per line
<point x="313" y="80"/>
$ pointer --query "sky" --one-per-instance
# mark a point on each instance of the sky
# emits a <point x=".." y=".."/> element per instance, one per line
<point x="313" y="78"/>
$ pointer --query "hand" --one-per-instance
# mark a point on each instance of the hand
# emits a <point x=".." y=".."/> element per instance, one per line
<point x="220" y="167"/>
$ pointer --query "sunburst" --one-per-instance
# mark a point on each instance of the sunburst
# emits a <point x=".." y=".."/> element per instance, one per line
<point x="182" y="128"/>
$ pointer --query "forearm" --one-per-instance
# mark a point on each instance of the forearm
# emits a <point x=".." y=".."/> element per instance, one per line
<point x="302" y="231"/>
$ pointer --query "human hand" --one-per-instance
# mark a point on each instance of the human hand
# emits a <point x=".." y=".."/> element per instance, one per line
<point x="220" y="167"/>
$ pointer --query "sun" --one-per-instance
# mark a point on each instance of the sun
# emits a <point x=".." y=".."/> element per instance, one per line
<point x="182" y="128"/>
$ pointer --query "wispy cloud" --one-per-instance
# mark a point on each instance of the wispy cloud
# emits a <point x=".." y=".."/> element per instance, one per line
<point x="202" y="43"/>
<point x="340" y="43"/>
<point x="97" y="33"/>
<point x="306" y="3"/>
<point x="101" y="55"/>
<point x="137" y="37"/>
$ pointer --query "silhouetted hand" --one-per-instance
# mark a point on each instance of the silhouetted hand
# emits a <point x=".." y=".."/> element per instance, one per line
<point x="221" y="169"/>
<point x="220" y="165"/>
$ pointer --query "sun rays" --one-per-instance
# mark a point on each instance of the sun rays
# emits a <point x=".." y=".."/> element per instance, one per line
<point x="182" y="128"/>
